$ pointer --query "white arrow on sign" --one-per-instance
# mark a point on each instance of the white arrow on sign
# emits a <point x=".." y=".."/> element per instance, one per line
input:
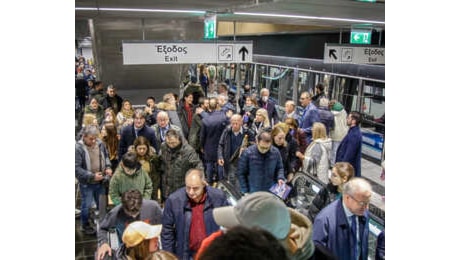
<point x="356" y="37"/>
<point x="354" y="54"/>
<point x="183" y="52"/>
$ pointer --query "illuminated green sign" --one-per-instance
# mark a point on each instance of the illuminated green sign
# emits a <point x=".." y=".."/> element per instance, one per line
<point x="360" y="37"/>
<point x="210" y="27"/>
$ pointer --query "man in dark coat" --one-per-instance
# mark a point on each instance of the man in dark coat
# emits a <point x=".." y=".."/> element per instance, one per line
<point x="187" y="215"/>
<point x="177" y="158"/>
<point x="260" y="165"/>
<point x="212" y="127"/>
<point x="350" y="148"/>
<point x="130" y="132"/>
<point x="319" y="93"/>
<point x="337" y="225"/>
<point x="234" y="139"/>
<point x="310" y="115"/>
<point x="132" y="208"/>
<point x="112" y="99"/>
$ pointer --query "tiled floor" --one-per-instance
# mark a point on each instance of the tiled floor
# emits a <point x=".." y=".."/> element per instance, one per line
<point x="85" y="246"/>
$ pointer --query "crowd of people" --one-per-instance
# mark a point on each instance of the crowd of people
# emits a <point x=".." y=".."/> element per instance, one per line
<point x="157" y="167"/>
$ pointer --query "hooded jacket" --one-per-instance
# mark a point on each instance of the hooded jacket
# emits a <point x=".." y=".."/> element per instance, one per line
<point x="299" y="243"/>
<point x="122" y="182"/>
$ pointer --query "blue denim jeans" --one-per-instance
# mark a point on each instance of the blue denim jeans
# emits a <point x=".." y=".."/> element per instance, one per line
<point x="89" y="192"/>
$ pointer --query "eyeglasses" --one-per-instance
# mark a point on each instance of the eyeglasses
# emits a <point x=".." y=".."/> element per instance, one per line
<point x="361" y="203"/>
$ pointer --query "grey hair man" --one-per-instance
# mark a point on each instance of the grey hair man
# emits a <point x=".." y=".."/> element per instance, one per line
<point x="343" y="225"/>
<point x="93" y="170"/>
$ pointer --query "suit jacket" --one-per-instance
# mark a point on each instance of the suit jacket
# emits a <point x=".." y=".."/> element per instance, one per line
<point x="331" y="229"/>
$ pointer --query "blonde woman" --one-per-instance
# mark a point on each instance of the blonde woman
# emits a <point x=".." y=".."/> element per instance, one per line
<point x="287" y="146"/>
<point x="318" y="151"/>
<point x="261" y="120"/>
<point x="140" y="241"/>
<point x="342" y="172"/>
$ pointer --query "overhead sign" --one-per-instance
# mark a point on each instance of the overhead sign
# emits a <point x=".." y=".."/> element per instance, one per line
<point x="339" y="53"/>
<point x="360" y="37"/>
<point x="148" y="52"/>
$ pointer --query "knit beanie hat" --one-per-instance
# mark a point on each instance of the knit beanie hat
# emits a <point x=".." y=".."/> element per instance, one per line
<point x="337" y="107"/>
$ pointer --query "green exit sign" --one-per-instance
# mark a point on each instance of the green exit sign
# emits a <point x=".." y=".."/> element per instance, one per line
<point x="359" y="37"/>
<point x="210" y="27"/>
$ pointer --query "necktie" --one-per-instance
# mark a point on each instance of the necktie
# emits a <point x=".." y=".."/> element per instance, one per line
<point x="355" y="240"/>
<point x="162" y="134"/>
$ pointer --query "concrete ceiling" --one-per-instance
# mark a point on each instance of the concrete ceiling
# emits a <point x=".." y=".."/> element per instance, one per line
<point x="227" y="11"/>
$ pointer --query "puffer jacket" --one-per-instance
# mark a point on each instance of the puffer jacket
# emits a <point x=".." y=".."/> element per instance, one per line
<point x="174" y="164"/>
<point x="320" y="150"/>
<point x="258" y="172"/>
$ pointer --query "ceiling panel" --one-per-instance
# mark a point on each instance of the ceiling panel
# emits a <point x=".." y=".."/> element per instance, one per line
<point x="344" y="9"/>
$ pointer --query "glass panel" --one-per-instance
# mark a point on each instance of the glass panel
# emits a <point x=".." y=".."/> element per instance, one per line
<point x="373" y="106"/>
